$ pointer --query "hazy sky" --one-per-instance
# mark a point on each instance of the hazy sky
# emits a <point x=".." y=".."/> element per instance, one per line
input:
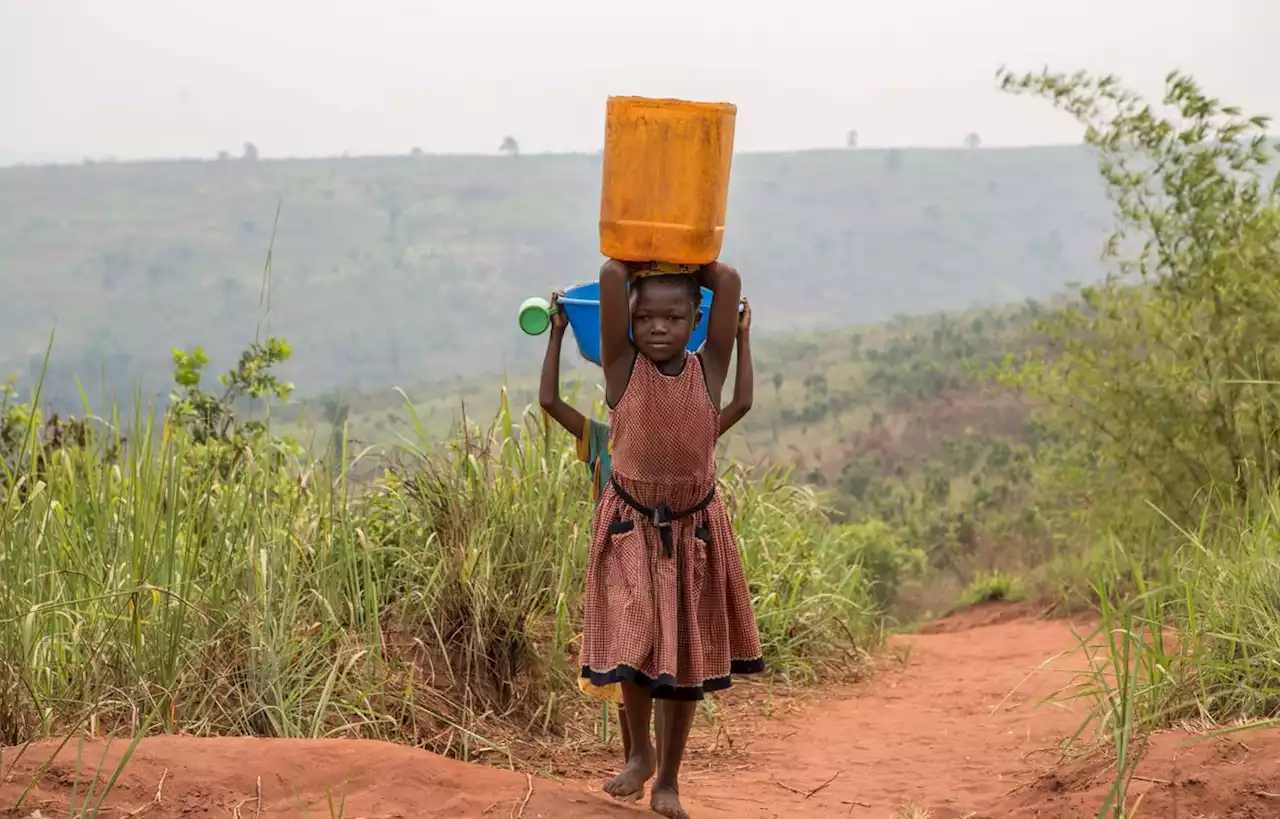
<point x="152" y="78"/>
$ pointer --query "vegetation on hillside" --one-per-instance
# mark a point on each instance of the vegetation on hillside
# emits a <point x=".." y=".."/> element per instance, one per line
<point x="408" y="270"/>
<point x="891" y="425"/>
<point x="1159" y="382"/>
<point x="1158" y="395"/>
<point x="206" y="576"/>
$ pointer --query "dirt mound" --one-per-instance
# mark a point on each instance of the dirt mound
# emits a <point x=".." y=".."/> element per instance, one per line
<point x="1228" y="777"/>
<point x="172" y="776"/>
<point x="984" y="614"/>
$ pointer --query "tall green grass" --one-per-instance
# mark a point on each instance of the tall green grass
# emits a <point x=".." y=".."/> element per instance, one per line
<point x="1189" y="635"/>
<point x="437" y="605"/>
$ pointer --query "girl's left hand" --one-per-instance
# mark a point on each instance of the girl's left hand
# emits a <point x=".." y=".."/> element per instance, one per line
<point x="558" y="320"/>
<point x="744" y="317"/>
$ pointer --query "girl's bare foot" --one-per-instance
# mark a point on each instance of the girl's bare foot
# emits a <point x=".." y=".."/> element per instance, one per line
<point x="629" y="784"/>
<point x="665" y="801"/>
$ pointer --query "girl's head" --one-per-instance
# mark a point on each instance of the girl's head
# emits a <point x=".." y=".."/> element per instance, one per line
<point x="664" y="311"/>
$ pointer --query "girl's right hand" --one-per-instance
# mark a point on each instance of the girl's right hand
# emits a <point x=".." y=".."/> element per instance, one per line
<point x="558" y="321"/>
<point x="744" y="318"/>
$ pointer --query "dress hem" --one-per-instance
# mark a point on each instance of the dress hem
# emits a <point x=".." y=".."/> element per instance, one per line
<point x="664" y="687"/>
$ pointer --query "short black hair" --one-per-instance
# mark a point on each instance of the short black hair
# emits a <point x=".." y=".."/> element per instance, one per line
<point x="689" y="283"/>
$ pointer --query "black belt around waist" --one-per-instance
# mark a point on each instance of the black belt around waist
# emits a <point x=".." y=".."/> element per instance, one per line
<point x="663" y="516"/>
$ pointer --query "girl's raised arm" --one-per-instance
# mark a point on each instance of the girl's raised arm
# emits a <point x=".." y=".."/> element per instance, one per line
<point x="726" y="285"/>
<point x="549" y="386"/>
<point x="744" y="384"/>
<point x="617" y="353"/>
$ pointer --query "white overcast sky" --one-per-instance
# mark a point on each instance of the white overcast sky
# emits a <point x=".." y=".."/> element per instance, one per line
<point x="162" y="78"/>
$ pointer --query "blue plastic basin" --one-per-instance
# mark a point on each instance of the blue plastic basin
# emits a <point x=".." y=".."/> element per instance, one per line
<point x="581" y="305"/>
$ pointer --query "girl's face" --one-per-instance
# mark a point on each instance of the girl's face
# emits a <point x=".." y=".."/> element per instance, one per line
<point x="662" y="320"/>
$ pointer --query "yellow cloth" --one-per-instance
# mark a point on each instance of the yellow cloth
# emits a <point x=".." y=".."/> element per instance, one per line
<point x="664" y="269"/>
<point x="608" y="693"/>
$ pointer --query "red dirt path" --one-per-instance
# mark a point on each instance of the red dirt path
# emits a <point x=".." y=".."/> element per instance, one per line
<point x="949" y="731"/>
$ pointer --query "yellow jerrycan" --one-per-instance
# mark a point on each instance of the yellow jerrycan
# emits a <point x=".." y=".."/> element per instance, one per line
<point x="665" y="186"/>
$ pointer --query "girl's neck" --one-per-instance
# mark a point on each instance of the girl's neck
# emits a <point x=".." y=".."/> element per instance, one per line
<point x="672" y="366"/>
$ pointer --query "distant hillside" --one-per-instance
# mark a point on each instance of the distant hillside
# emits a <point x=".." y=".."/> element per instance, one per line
<point x="896" y="422"/>
<point x="408" y="269"/>
<point x="921" y="379"/>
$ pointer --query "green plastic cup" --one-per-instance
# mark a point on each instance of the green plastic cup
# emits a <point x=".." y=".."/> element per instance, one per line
<point x="535" y="315"/>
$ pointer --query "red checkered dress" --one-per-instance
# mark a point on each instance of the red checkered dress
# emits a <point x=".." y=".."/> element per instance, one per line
<point x="679" y="624"/>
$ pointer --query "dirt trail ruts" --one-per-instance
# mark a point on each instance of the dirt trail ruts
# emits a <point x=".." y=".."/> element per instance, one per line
<point x="951" y="731"/>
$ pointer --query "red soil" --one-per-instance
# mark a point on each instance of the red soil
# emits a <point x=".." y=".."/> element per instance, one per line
<point x="951" y="726"/>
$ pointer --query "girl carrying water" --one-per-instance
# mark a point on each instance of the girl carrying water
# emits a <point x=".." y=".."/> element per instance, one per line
<point x="666" y="611"/>
<point x="592" y="437"/>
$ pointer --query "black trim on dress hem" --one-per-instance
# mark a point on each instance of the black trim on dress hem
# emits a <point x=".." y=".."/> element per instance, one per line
<point x="744" y="667"/>
<point x="664" y="686"/>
